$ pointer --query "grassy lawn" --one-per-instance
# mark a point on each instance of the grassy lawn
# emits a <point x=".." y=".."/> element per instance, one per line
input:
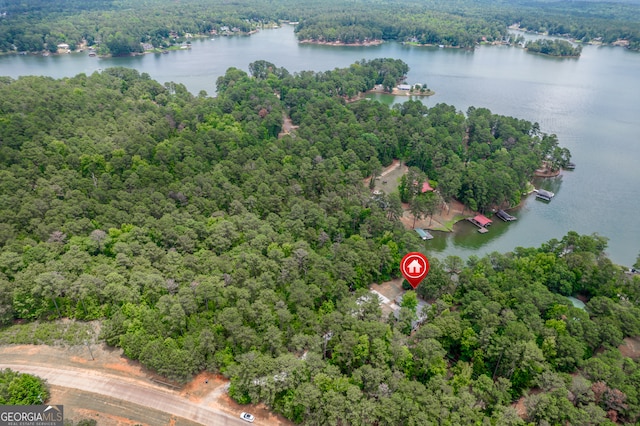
<point x="392" y="180"/>
<point x="63" y="332"/>
<point x="448" y="225"/>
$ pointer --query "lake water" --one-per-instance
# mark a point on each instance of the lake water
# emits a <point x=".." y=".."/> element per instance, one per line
<point x="591" y="103"/>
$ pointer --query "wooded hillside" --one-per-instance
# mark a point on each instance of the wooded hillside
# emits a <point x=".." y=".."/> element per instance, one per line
<point x="204" y="241"/>
<point x="119" y="27"/>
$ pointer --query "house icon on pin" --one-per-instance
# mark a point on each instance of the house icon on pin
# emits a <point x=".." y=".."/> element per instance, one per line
<point x="415" y="267"/>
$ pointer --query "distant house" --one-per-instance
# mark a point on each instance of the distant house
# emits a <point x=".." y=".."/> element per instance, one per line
<point x="621" y="42"/>
<point x="404" y="87"/>
<point x="422" y="311"/>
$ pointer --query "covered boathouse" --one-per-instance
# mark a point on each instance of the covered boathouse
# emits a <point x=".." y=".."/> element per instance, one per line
<point x="544" y="195"/>
<point x="505" y="216"/>
<point x="425" y="235"/>
<point x="481" y="222"/>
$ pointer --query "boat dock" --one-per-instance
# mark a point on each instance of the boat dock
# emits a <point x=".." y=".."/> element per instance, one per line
<point x="505" y="216"/>
<point x="481" y="222"/>
<point x="543" y="194"/>
<point x="425" y="235"/>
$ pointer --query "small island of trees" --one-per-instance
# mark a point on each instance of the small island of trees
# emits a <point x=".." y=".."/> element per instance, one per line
<point x="553" y="48"/>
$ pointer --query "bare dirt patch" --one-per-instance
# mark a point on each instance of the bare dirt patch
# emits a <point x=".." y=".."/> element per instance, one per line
<point x="205" y="388"/>
<point x="287" y="126"/>
<point x="260" y="411"/>
<point x="630" y="347"/>
<point x="545" y="171"/>
<point x="519" y="404"/>
<point x="442" y="220"/>
<point x="128" y="368"/>
<point x="391" y="290"/>
<point x="520" y="408"/>
<point x="104" y="419"/>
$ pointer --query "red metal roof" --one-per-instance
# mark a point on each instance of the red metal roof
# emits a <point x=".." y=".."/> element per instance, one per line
<point x="426" y="187"/>
<point x="482" y="220"/>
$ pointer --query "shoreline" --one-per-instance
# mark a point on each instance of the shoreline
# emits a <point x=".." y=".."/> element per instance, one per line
<point x="440" y="46"/>
<point x="375" y="42"/>
<point x="545" y="173"/>
<point x="448" y="214"/>
<point x="378" y="88"/>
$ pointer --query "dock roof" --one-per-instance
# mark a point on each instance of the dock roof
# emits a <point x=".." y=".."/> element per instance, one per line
<point x="482" y="220"/>
<point x="545" y="194"/>
<point x="425" y="235"/>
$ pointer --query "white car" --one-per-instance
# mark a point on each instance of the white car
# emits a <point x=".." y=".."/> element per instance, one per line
<point x="247" y="417"/>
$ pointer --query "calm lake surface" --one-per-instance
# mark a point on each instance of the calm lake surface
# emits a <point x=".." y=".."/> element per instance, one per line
<point x="591" y="103"/>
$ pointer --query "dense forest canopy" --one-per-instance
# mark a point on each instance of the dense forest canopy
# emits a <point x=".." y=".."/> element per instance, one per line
<point x="202" y="240"/>
<point x="118" y="27"/>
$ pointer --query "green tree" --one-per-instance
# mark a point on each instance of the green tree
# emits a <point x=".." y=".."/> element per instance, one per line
<point x="22" y="389"/>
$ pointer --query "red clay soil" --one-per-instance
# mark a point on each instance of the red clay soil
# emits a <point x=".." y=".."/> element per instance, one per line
<point x="519" y="404"/>
<point x="544" y="172"/>
<point x="630" y="347"/>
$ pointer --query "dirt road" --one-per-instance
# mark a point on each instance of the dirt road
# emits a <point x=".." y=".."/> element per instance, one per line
<point x="129" y="390"/>
<point x="107" y="411"/>
<point x="104" y="385"/>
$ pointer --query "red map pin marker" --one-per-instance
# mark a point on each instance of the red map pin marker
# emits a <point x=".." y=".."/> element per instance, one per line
<point x="414" y="267"/>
